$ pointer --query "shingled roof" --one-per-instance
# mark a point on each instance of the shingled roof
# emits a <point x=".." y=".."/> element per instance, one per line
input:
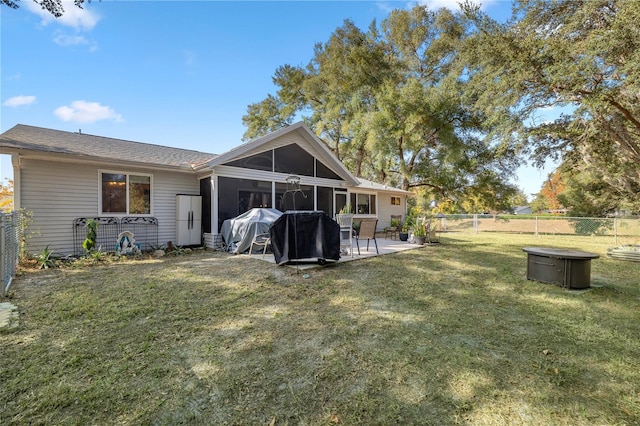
<point x="90" y="147"/>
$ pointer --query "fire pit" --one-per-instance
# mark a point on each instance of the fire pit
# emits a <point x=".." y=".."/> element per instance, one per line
<point x="568" y="268"/>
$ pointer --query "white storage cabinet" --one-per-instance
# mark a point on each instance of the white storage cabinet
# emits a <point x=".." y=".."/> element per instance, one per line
<point x="188" y="220"/>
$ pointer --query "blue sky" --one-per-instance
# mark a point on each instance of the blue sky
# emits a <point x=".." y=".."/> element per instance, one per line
<point x="169" y="73"/>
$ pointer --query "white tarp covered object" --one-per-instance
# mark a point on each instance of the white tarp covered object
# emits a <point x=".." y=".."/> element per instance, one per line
<point x="239" y="231"/>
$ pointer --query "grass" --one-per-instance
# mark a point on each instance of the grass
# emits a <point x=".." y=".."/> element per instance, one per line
<point x="448" y="334"/>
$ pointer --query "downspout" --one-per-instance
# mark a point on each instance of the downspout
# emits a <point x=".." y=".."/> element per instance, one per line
<point x="213" y="180"/>
<point x="17" y="187"/>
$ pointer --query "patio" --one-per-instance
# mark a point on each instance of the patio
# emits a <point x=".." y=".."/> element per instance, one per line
<point x="385" y="246"/>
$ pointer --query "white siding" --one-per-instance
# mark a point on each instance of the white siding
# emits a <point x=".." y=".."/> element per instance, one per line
<point x="385" y="209"/>
<point x="57" y="193"/>
<point x="166" y="186"/>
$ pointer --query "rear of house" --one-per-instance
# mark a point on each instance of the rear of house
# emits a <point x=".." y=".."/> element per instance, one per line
<point x="60" y="177"/>
<point x="63" y="178"/>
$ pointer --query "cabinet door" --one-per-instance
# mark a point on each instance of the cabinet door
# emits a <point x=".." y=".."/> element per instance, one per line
<point x="183" y="207"/>
<point x="183" y="233"/>
<point x="196" y="208"/>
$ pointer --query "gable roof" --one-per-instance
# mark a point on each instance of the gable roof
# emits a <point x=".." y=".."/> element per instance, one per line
<point x="22" y="138"/>
<point x="313" y="143"/>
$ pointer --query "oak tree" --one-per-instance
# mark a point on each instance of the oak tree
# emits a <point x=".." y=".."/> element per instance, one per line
<point x="52" y="6"/>
<point x="389" y="102"/>
<point x="581" y="57"/>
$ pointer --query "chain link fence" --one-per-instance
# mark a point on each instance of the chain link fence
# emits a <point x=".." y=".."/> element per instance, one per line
<point x="10" y="237"/>
<point x="621" y="230"/>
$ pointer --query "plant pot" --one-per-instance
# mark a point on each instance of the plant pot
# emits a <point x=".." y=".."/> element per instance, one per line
<point x="404" y="236"/>
<point x="418" y="240"/>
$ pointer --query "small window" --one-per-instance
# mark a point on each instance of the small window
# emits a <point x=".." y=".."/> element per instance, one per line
<point x="395" y="201"/>
<point x="125" y="193"/>
<point x="363" y="203"/>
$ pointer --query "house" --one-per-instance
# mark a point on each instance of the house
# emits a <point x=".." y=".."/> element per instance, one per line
<point x="62" y="176"/>
<point x="522" y="210"/>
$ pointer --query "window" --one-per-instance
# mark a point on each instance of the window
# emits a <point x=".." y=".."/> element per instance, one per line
<point x="300" y="200"/>
<point x="323" y="171"/>
<point x="236" y="196"/>
<point x="261" y="161"/>
<point x="248" y="200"/>
<point x="292" y="159"/>
<point x="363" y="203"/>
<point x="126" y="193"/>
<point x="395" y="201"/>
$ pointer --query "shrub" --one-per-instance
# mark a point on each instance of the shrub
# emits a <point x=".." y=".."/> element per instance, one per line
<point x="92" y="235"/>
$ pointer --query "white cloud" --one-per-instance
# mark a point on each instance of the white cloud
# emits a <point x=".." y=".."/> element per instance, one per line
<point x="87" y="112"/>
<point x="452" y="5"/>
<point x="385" y="6"/>
<point x="432" y="5"/>
<point x="80" y="19"/>
<point x="66" y="40"/>
<point x="17" y="101"/>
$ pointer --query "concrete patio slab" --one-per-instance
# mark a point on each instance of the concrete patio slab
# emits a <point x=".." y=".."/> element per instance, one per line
<point x="384" y="247"/>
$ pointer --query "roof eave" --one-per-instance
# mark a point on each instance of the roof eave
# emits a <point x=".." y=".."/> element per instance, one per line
<point x="86" y="159"/>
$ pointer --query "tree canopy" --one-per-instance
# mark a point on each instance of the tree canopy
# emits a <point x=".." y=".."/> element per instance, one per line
<point x="52" y="6"/>
<point x="452" y="101"/>
<point x="390" y="103"/>
<point x="579" y="56"/>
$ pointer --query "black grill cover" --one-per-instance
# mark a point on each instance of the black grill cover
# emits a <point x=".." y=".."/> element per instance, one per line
<point x="298" y="235"/>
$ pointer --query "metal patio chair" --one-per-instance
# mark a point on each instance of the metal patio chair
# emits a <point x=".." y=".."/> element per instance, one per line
<point x="368" y="232"/>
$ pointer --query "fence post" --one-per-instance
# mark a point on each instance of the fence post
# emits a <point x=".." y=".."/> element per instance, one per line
<point x="536" y="233"/>
<point x="16" y="236"/>
<point x="2" y="256"/>
<point x="615" y="230"/>
<point x="475" y="223"/>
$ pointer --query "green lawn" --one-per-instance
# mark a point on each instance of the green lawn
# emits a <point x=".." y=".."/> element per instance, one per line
<point x="447" y="334"/>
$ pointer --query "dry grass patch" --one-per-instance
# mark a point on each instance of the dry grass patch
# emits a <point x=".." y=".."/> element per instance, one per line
<point x="450" y="334"/>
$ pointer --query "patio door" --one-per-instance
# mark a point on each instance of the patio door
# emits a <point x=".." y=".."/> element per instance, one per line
<point x="339" y="200"/>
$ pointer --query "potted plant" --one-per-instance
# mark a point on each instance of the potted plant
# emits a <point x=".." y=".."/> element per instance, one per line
<point x="419" y="232"/>
<point x="346" y="209"/>
<point x="404" y="233"/>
